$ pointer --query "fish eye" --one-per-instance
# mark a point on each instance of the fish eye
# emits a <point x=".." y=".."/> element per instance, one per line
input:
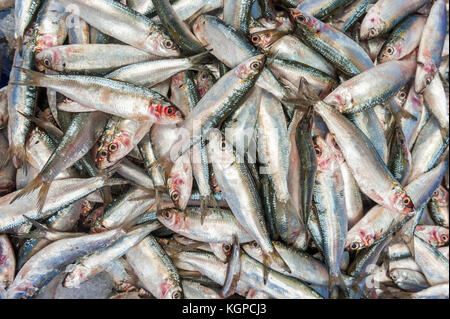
<point x="428" y="81"/>
<point x="175" y="196"/>
<point x="393" y="276"/>
<point x="168" y="44"/>
<point x="204" y="75"/>
<point x="390" y="50"/>
<point x="301" y="18"/>
<point x="103" y="154"/>
<point x="444" y="238"/>
<point x="436" y="193"/>
<point x="255" y="38"/>
<point x="169" y="111"/>
<point x="167" y="214"/>
<point x="318" y="151"/>
<point x="113" y="147"/>
<point x="255" y="65"/>
<point x="255" y="244"/>
<point x="226" y="248"/>
<point x="47" y="62"/>
<point x="373" y="32"/>
<point x="176" y="295"/>
<point x="354" y="246"/>
<point x="406" y="201"/>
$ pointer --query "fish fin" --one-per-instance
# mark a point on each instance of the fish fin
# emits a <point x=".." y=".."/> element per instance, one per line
<point x="198" y="59"/>
<point x="17" y="154"/>
<point x="444" y="134"/>
<point x="36" y="224"/>
<point x="275" y="257"/>
<point x="165" y="162"/>
<point x="51" y="98"/>
<point x="194" y="16"/>
<point x="266" y="262"/>
<point x="33" y="77"/>
<point x="336" y="282"/>
<point x="204" y="200"/>
<point x="43" y="192"/>
<point x="47" y="126"/>
<point x="106" y="195"/>
<point x="36" y="183"/>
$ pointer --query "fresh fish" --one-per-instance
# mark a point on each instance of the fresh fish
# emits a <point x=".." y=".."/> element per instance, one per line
<point x="430" y="47"/>
<point x="120" y="22"/>
<point x="385" y="15"/>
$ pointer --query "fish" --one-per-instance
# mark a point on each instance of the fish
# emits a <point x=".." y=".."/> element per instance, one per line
<point x="384" y="15"/>
<point x="430" y="47"/>
<point x="223" y="149"/>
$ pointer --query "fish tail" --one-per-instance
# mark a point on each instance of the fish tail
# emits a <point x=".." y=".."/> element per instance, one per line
<point x="444" y="134"/>
<point x="43" y="192"/>
<point x="335" y="284"/>
<point x="276" y="258"/>
<point x="204" y="201"/>
<point x="165" y="162"/>
<point x="198" y="59"/>
<point x="37" y="182"/>
<point x="33" y="78"/>
<point x="17" y="154"/>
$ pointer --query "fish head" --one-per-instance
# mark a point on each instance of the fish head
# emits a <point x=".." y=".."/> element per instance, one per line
<point x="326" y="161"/>
<point x="222" y="251"/>
<point x="401" y="201"/>
<point x="250" y="68"/>
<point x="263" y="39"/>
<point x="401" y="96"/>
<point x="436" y="236"/>
<point x="304" y="21"/>
<point x="398" y="275"/>
<point x="112" y="150"/>
<point x="440" y="195"/>
<point x="179" y="182"/>
<point x="75" y="276"/>
<point x="425" y="73"/>
<point x="329" y="138"/>
<point x="341" y="99"/>
<point x="390" y="52"/>
<point x="170" y="289"/>
<point x="372" y="24"/>
<point x="204" y="80"/>
<point x="162" y="45"/>
<point x="359" y="238"/>
<point x="165" y="113"/>
<point x="49" y="59"/>
<point x="253" y="250"/>
<point x="172" y="218"/>
<point x="199" y="29"/>
<point x="220" y="152"/>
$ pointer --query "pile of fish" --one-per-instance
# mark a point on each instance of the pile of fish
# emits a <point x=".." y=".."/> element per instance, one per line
<point x="227" y="148"/>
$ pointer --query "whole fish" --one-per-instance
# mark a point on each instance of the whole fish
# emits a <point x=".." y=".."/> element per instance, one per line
<point x="154" y="269"/>
<point x="231" y="48"/>
<point x="124" y="24"/>
<point x="92" y="58"/>
<point x="359" y="147"/>
<point x="244" y="201"/>
<point x="430" y="47"/>
<point x="47" y="263"/>
<point x="403" y="39"/>
<point x="385" y="15"/>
